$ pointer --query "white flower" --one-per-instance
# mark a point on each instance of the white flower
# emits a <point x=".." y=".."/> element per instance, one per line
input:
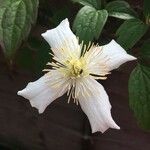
<point x="74" y="70"/>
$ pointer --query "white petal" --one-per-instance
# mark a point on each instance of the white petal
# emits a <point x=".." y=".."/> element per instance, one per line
<point x="95" y="104"/>
<point x="111" y="55"/>
<point x="116" y="55"/>
<point x="62" y="40"/>
<point x="41" y="92"/>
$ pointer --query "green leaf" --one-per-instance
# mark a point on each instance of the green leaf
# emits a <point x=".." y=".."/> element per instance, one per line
<point x="89" y="23"/>
<point x="145" y="50"/>
<point x="120" y="9"/>
<point x="34" y="13"/>
<point x="92" y="3"/>
<point x="34" y="56"/>
<point x="139" y="95"/>
<point x="25" y="58"/>
<point x="130" y="32"/>
<point x="3" y="6"/>
<point x="145" y="53"/>
<point x="147" y="8"/>
<point x="16" y="18"/>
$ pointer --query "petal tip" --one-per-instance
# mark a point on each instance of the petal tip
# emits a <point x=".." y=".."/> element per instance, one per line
<point x="38" y="105"/>
<point x="44" y="34"/>
<point x="116" y="127"/>
<point x="20" y="93"/>
<point x="40" y="111"/>
<point x="65" y="20"/>
<point x="94" y="130"/>
<point x="105" y="129"/>
<point x="63" y="23"/>
<point x="113" y="42"/>
<point x="130" y="57"/>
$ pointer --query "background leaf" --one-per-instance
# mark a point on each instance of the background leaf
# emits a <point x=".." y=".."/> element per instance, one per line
<point x="15" y="23"/>
<point x="92" y="3"/>
<point x="89" y="23"/>
<point x="130" y="32"/>
<point x="34" y="56"/>
<point x="145" y="53"/>
<point x="120" y="9"/>
<point x="139" y="95"/>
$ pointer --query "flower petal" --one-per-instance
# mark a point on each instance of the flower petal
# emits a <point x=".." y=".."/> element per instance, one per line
<point x="45" y="90"/>
<point x="62" y="40"/>
<point x="95" y="104"/>
<point x="116" y="55"/>
<point x="111" y="56"/>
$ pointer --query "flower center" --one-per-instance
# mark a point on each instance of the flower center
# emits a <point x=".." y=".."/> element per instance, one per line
<point x="76" y="68"/>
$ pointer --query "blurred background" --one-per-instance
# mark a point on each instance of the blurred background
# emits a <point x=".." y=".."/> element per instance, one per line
<point x="24" y="54"/>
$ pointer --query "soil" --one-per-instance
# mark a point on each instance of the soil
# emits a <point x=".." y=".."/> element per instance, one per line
<point x="64" y="126"/>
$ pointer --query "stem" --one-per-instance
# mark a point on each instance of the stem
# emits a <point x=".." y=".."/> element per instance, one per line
<point x="148" y="20"/>
<point x="103" y="3"/>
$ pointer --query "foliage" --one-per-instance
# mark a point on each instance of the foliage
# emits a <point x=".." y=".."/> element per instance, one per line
<point x="92" y="3"/>
<point x="16" y="18"/>
<point x="94" y="15"/>
<point x="145" y="50"/>
<point x="139" y="89"/>
<point x="91" y="21"/>
<point x="139" y="92"/>
<point x="120" y="9"/>
<point x="34" y="55"/>
<point x="130" y="32"/>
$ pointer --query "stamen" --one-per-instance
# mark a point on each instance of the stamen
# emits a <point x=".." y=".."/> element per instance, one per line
<point x="46" y="70"/>
<point x="76" y="67"/>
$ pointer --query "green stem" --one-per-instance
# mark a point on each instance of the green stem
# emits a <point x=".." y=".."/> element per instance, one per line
<point x="103" y="4"/>
<point x="148" y="20"/>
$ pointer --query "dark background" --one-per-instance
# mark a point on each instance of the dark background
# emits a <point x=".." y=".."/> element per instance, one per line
<point x="63" y="126"/>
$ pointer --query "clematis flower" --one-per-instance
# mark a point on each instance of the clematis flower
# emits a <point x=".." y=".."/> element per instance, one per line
<point x="74" y="70"/>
